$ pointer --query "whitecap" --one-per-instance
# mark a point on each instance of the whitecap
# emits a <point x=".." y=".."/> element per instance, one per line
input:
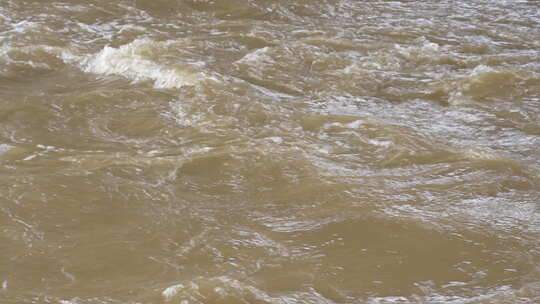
<point x="171" y="291"/>
<point x="255" y="56"/>
<point x="426" y="50"/>
<point x="139" y="61"/>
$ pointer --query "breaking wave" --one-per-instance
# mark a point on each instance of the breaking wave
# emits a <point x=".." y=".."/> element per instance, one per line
<point x="142" y="60"/>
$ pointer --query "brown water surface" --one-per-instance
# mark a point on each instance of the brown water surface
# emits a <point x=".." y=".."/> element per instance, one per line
<point x="257" y="151"/>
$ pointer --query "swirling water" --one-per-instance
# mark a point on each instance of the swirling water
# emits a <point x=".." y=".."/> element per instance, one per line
<point x="257" y="151"/>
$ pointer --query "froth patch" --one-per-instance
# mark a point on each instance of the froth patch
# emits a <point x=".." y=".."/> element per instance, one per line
<point x="224" y="289"/>
<point x="142" y="60"/>
<point x="4" y="148"/>
<point x="479" y="154"/>
<point x="171" y="291"/>
<point x="502" y="294"/>
<point x="426" y="50"/>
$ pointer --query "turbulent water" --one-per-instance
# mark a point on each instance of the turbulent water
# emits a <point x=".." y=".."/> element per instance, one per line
<point x="258" y="151"/>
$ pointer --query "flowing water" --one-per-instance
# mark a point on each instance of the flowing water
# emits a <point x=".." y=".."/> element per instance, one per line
<point x="269" y="151"/>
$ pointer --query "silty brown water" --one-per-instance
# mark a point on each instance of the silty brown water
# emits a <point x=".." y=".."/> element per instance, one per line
<point x="256" y="151"/>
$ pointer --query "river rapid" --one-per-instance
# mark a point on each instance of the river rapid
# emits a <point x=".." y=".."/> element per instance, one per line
<point x="257" y="151"/>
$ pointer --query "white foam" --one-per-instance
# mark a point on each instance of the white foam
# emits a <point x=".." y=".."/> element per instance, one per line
<point x="338" y="125"/>
<point x="502" y="294"/>
<point x="479" y="154"/>
<point x="134" y="61"/>
<point x="184" y="117"/>
<point x="4" y="148"/>
<point x="7" y="51"/>
<point x="276" y="139"/>
<point x="130" y="27"/>
<point x="171" y="291"/>
<point x="31" y="157"/>
<point x="481" y="69"/>
<point x="255" y="56"/>
<point x="24" y="26"/>
<point x="426" y="50"/>
<point x="501" y="214"/>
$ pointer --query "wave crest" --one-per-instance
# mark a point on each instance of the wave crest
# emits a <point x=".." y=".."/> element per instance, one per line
<point x="143" y="60"/>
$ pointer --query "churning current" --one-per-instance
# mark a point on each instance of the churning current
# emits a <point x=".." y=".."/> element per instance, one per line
<point x="269" y="151"/>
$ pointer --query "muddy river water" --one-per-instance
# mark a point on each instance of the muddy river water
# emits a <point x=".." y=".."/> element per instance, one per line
<point x="269" y="151"/>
